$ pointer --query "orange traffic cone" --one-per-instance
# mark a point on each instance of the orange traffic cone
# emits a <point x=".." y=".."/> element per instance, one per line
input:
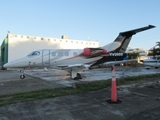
<point x="113" y="88"/>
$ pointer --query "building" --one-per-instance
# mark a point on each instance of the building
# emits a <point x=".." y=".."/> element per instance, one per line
<point x="143" y="54"/>
<point x="139" y="50"/>
<point x="15" y="46"/>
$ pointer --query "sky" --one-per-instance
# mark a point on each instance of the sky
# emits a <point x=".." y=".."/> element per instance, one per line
<point x="92" y="20"/>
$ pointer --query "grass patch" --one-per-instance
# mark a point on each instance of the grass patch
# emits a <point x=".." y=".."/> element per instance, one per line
<point x="81" y="87"/>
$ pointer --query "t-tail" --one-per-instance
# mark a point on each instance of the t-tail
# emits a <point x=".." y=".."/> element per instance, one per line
<point x="120" y="44"/>
<point x="116" y="50"/>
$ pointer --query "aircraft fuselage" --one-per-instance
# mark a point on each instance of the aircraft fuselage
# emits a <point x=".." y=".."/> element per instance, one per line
<point x="51" y="58"/>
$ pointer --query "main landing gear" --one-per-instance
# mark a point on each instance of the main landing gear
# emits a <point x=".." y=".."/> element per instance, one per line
<point x="22" y="76"/>
<point x="78" y="76"/>
<point x="75" y="75"/>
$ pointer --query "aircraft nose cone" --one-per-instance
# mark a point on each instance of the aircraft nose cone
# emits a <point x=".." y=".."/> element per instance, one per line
<point x="7" y="65"/>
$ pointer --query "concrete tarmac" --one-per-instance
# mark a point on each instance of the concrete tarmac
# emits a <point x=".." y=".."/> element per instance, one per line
<point x="62" y="77"/>
<point x="11" y="83"/>
<point x="139" y="102"/>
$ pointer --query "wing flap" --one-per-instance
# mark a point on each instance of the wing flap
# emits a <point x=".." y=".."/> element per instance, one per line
<point x="118" y="62"/>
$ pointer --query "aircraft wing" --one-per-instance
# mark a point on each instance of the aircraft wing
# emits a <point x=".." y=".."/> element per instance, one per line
<point x="76" y="66"/>
<point x="118" y="62"/>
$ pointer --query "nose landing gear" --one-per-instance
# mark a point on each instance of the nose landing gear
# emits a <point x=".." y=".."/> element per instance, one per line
<point x="22" y="76"/>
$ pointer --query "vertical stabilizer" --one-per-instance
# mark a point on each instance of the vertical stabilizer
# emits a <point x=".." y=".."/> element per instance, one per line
<point x="120" y="44"/>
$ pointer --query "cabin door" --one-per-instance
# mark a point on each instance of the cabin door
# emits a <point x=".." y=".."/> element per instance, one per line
<point x="46" y="58"/>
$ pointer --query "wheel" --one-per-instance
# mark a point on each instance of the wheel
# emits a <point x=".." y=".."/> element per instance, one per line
<point x="79" y="76"/>
<point x="156" y="67"/>
<point x="22" y="76"/>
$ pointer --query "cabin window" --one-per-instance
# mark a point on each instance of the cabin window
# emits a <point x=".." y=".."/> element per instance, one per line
<point x="74" y="54"/>
<point x="53" y="54"/>
<point x="60" y="54"/>
<point x="66" y="53"/>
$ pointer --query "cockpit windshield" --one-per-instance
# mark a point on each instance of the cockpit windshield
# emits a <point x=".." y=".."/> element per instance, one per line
<point x="35" y="53"/>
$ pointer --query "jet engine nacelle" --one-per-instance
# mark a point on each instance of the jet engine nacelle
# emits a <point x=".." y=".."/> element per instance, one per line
<point x="94" y="52"/>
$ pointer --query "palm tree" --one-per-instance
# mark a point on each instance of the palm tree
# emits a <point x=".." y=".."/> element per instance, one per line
<point x="155" y="51"/>
<point x="133" y="55"/>
<point x="158" y="44"/>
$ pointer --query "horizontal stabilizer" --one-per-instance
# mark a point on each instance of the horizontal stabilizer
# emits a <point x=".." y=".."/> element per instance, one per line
<point x="132" y="32"/>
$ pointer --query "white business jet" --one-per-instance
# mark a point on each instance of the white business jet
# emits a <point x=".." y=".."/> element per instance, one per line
<point x="152" y="61"/>
<point x="74" y="60"/>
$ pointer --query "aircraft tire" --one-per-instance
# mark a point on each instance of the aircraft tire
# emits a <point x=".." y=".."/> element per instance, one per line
<point x="79" y="76"/>
<point x="22" y="76"/>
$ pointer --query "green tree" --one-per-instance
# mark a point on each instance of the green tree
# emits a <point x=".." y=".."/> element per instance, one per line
<point x="158" y="44"/>
<point x="133" y="55"/>
<point x="155" y="50"/>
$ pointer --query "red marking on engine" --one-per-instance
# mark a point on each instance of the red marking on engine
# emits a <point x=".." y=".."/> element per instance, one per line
<point x="86" y="52"/>
<point x="104" y="51"/>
